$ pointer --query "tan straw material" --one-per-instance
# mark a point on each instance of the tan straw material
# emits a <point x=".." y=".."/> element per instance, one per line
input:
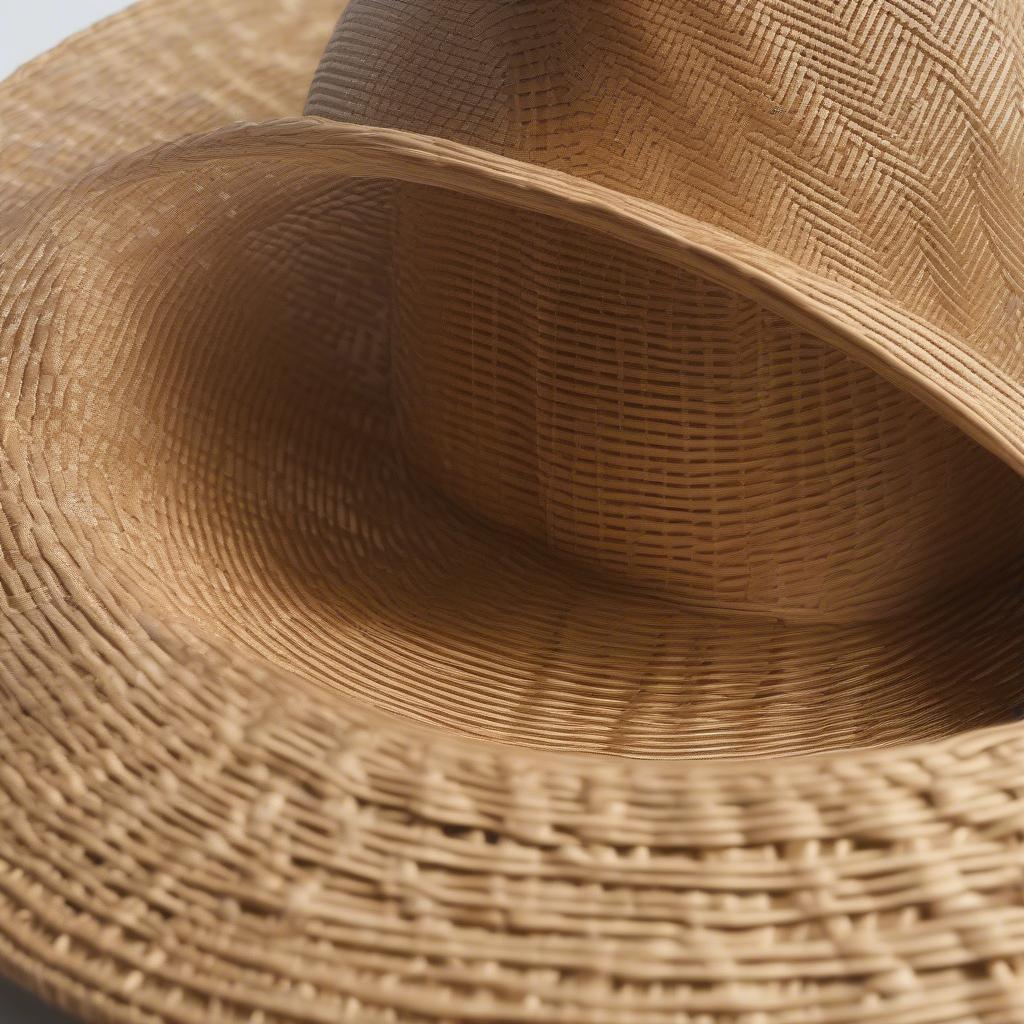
<point x="537" y="538"/>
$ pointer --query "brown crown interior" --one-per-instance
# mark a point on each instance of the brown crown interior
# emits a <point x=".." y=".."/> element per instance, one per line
<point x="672" y="433"/>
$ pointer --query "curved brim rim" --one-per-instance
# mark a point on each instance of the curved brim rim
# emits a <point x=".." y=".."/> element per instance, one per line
<point x="962" y="386"/>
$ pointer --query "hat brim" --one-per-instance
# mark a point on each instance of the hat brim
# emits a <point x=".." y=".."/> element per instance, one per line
<point x="203" y="818"/>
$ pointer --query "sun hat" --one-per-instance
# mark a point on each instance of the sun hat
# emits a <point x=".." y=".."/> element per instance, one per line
<point x="537" y="537"/>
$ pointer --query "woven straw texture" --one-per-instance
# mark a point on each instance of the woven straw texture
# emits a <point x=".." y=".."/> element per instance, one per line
<point x="537" y="539"/>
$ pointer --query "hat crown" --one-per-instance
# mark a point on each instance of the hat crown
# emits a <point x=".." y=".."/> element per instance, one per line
<point x="644" y="421"/>
<point x="885" y="135"/>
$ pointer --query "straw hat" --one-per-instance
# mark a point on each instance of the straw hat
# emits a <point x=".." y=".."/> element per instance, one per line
<point x="536" y="539"/>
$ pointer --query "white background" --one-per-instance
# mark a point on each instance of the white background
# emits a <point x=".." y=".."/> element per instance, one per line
<point x="27" y="28"/>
